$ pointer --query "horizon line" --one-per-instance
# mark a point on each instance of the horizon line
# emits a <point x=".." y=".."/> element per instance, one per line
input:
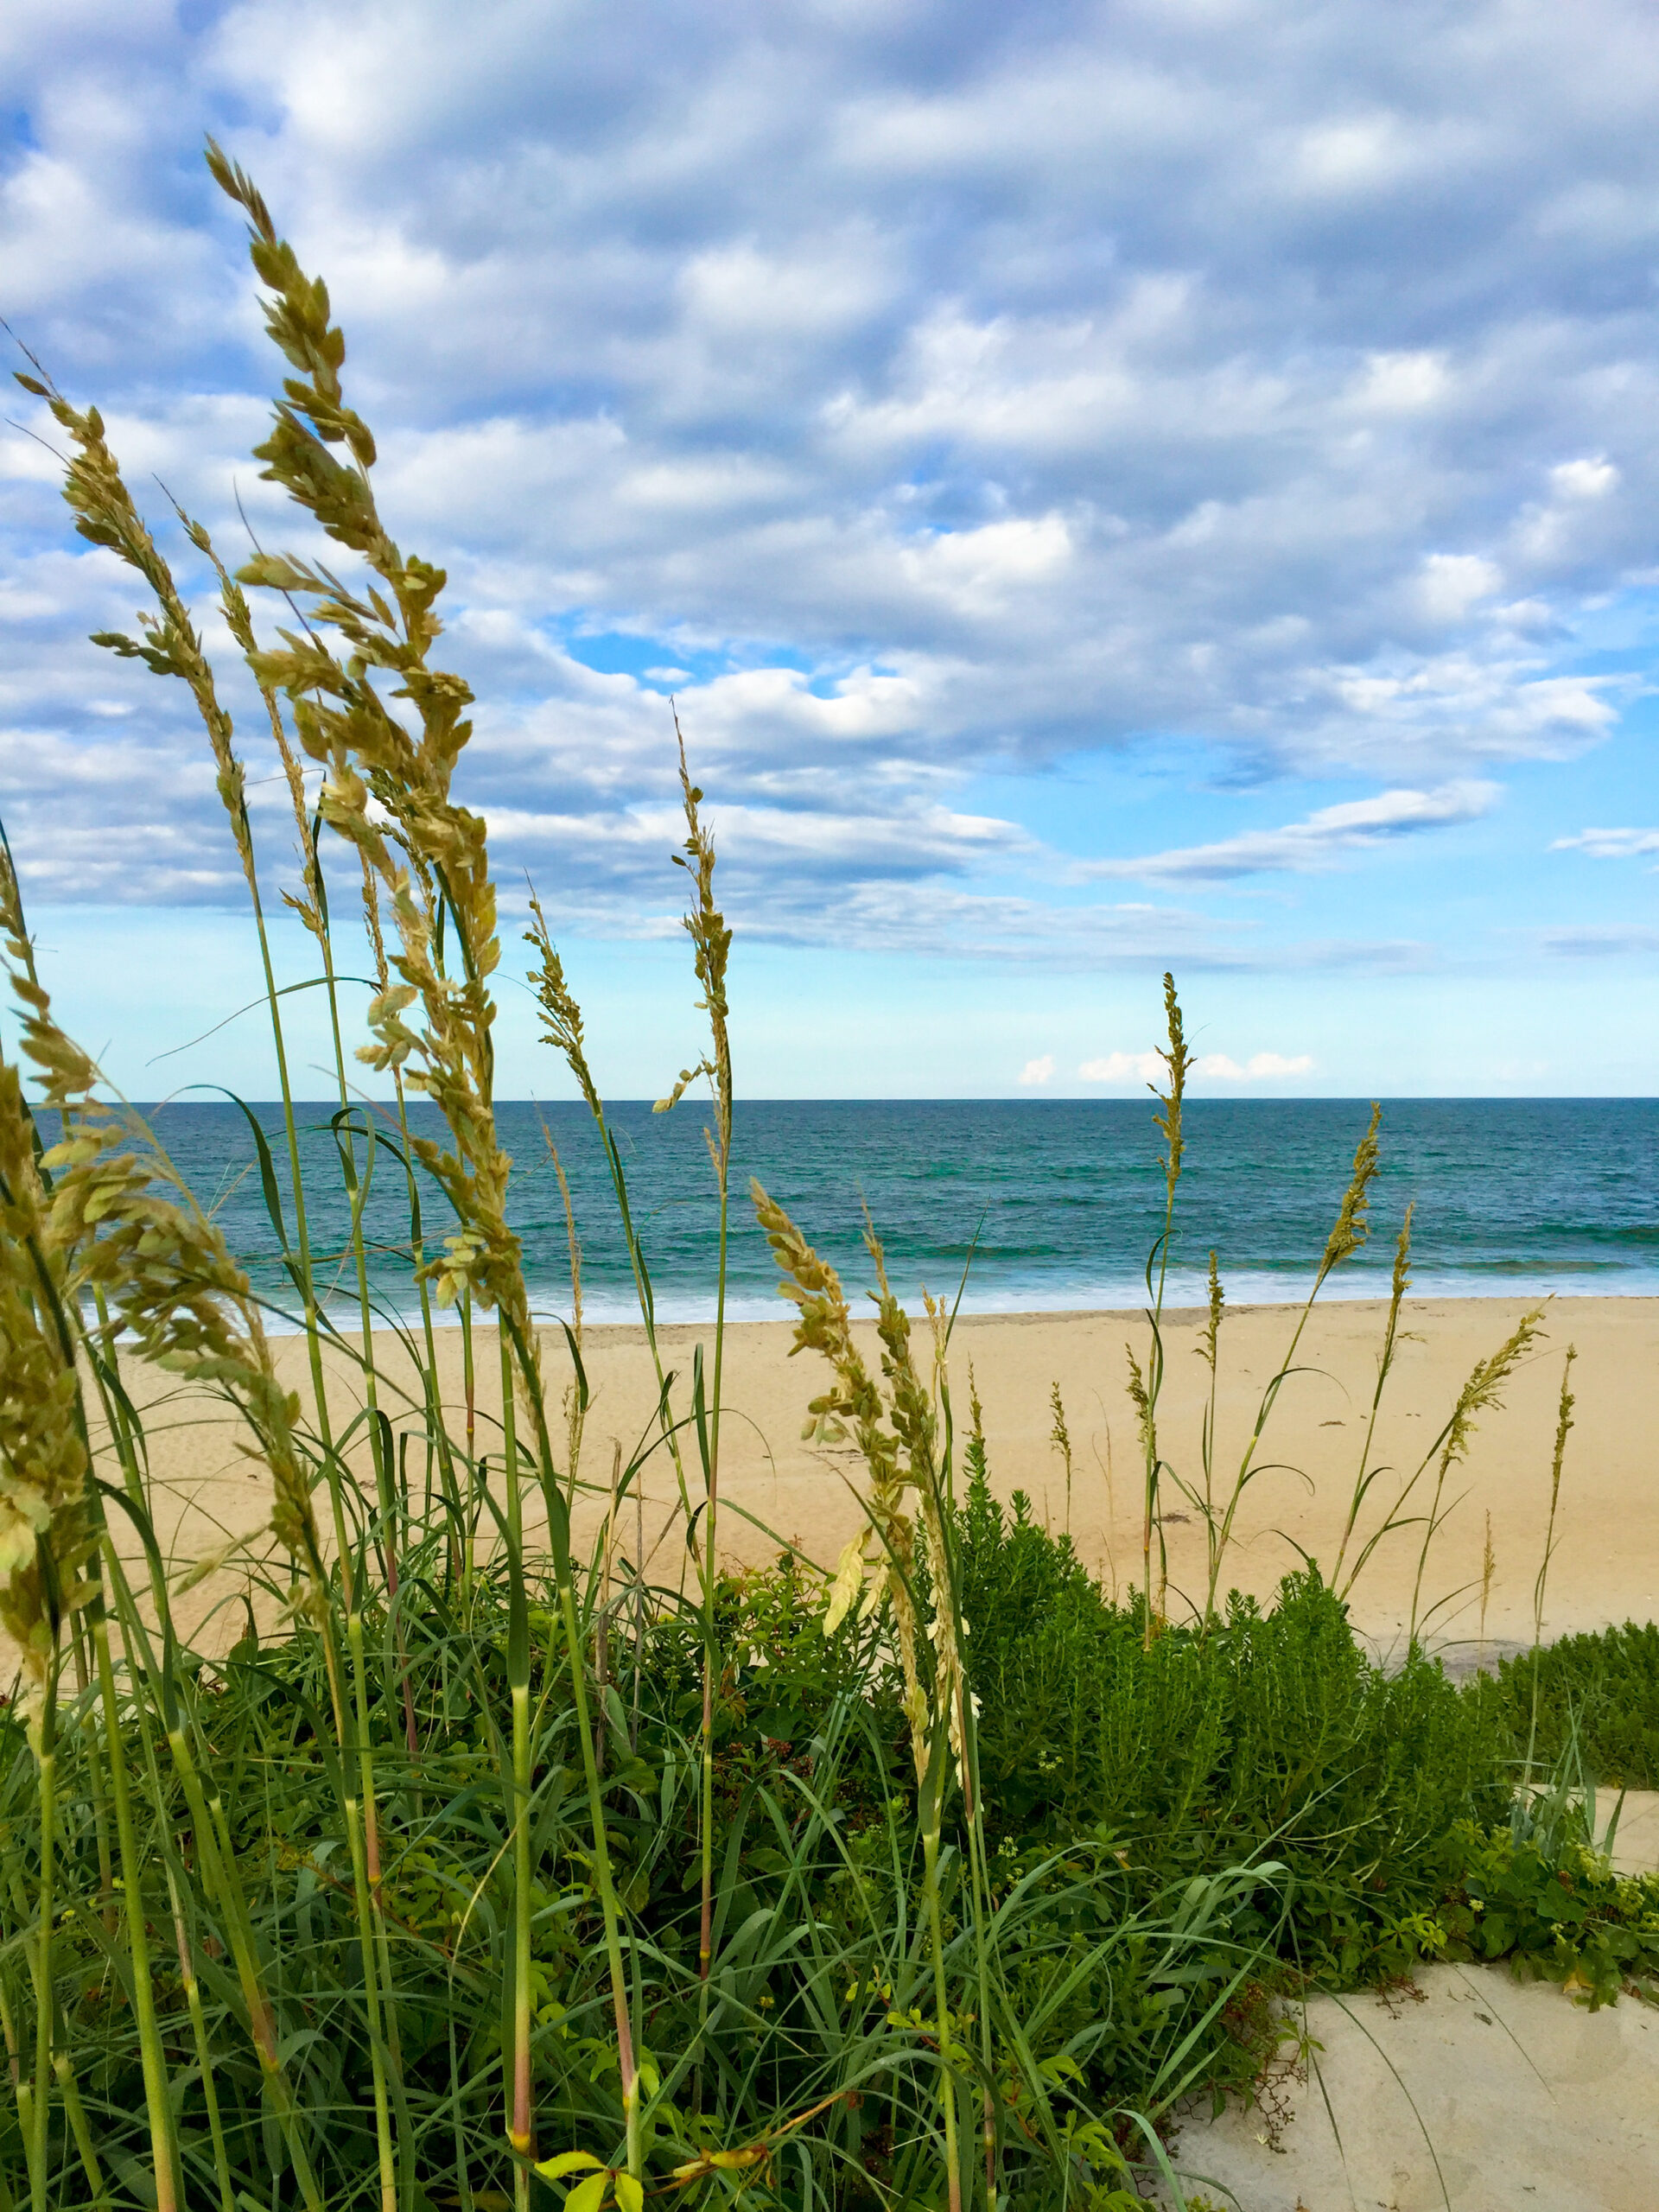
<point x="1008" y="1098"/>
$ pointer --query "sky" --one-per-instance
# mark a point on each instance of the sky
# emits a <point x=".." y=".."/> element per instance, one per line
<point x="1110" y="488"/>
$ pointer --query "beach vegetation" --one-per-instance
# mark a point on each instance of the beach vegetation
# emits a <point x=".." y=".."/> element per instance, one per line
<point x="451" y="1854"/>
<point x="1595" y="1697"/>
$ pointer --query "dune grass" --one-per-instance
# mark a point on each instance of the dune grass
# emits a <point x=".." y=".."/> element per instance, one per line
<point x="479" y="1870"/>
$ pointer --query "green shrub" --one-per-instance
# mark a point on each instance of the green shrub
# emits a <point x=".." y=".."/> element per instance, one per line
<point x="1558" y="1912"/>
<point x="1270" y="1736"/>
<point x="1599" y="1693"/>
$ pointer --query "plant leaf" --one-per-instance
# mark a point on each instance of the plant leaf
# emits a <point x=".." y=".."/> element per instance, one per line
<point x="568" y="2162"/>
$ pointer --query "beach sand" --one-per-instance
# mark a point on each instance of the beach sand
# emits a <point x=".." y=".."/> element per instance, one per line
<point x="1470" y="2090"/>
<point x="1605" y="1567"/>
<point x="1464" y="2087"/>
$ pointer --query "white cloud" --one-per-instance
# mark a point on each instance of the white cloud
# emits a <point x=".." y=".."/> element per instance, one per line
<point x="1124" y="1067"/>
<point x="918" y="405"/>
<point x="1354" y="155"/>
<point x="1452" y="583"/>
<point x="1585" y="480"/>
<point x="1398" y="384"/>
<point x="1260" y="1067"/>
<point x="1325" y="837"/>
<point x="1039" y="1070"/>
<point x="1609" y="844"/>
<point x="1217" y="1067"/>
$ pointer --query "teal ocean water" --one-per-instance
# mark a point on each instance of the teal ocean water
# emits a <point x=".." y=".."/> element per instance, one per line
<point x="1058" y="1201"/>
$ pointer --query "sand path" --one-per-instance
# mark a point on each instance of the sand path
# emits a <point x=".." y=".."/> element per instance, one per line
<point x="1476" y="2090"/>
<point x="1481" y="2093"/>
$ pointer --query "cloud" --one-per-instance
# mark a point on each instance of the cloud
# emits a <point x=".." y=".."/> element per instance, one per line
<point x="1608" y="941"/>
<point x="1260" y="1067"/>
<point x="1124" y="1067"/>
<point x="944" y="921"/>
<point x="1583" y="480"/>
<point x="1609" y="844"/>
<point x="1326" y="837"/>
<point x="918" y="401"/>
<point x="1039" y="1070"/>
<point x="1453" y="583"/>
<point x="1148" y="1067"/>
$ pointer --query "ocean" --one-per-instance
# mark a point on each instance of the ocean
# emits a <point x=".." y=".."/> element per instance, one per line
<point x="1045" y="1204"/>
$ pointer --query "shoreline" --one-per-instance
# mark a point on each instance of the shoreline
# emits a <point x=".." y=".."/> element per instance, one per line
<point x="345" y="1311"/>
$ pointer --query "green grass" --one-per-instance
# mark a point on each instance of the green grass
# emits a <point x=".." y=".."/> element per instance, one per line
<point x="822" y="1987"/>
<point x="487" y="1875"/>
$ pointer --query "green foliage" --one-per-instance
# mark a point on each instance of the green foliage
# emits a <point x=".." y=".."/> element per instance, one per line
<point x="1601" y="1690"/>
<point x="1108" y="1993"/>
<point x="1555" y="1910"/>
<point x="1271" y="1734"/>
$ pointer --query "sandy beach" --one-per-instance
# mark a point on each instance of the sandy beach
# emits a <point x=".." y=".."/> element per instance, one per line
<point x="1605" y="1566"/>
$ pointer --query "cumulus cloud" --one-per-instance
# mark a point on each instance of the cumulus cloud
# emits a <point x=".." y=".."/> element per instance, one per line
<point x="1124" y="1067"/>
<point x="915" y="400"/>
<point x="1323" y="839"/>
<point x="1583" y="480"/>
<point x="1260" y="1067"/>
<point x="1039" y="1070"/>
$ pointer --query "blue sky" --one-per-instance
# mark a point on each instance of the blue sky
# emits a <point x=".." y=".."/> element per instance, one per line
<point x="1110" y="487"/>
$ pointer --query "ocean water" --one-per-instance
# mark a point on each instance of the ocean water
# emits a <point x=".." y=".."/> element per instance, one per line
<point x="1045" y="1204"/>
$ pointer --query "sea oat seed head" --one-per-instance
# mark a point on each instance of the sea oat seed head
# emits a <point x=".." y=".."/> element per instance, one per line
<point x="1348" y="1232"/>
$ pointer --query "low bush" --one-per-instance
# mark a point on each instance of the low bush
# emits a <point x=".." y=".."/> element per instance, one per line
<point x="1554" y="1909"/>
<point x="1269" y="1735"/>
<point x="1597" y="1696"/>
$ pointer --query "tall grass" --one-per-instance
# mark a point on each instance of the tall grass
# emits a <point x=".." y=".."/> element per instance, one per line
<point x="480" y="1867"/>
<point x="1216" y="1499"/>
<point x="385" y="1901"/>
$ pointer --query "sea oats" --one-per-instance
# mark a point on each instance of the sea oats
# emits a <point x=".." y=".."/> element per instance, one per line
<point x="825" y="1326"/>
<point x="915" y="1425"/>
<point x="168" y="642"/>
<point x="1177" y="1060"/>
<point x="1480" y="1394"/>
<point x="1349" y="1231"/>
<point x="1060" y="1437"/>
<point x="387" y="789"/>
<point x="711" y="940"/>
<point x="1399" y="1283"/>
<point x="1215" y="1305"/>
<point x="107" y="1224"/>
<point x="44" y="1528"/>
